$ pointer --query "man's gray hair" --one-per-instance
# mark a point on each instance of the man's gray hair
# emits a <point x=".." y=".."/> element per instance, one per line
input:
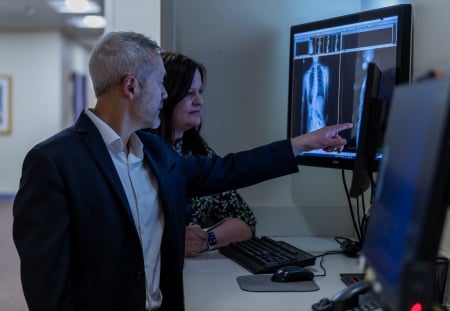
<point x="121" y="53"/>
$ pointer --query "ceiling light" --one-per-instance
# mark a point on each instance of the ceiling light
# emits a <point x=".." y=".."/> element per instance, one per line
<point x="74" y="6"/>
<point x="89" y="21"/>
<point x="95" y="21"/>
<point x="78" y="6"/>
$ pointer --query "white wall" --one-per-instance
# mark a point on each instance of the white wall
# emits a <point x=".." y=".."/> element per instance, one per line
<point x="244" y="45"/>
<point x="40" y="64"/>
<point x="431" y="25"/>
<point x="32" y="61"/>
<point x="245" y="48"/>
<point x="142" y="16"/>
<point x="246" y="53"/>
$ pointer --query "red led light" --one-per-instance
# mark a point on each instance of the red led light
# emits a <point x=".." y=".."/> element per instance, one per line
<point x="416" y="307"/>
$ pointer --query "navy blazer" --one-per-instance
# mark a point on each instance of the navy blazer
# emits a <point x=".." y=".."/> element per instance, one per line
<point x="73" y="228"/>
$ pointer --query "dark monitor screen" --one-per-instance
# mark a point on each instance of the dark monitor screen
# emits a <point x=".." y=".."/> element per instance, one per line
<point x="407" y="215"/>
<point x="327" y="71"/>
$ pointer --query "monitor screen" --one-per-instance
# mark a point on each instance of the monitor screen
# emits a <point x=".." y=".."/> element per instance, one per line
<point x="407" y="215"/>
<point x="327" y="72"/>
<point x="368" y="136"/>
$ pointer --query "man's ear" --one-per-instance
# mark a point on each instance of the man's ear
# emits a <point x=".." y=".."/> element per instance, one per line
<point x="130" y="87"/>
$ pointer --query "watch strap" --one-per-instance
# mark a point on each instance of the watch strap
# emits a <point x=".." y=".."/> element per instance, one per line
<point x="212" y="240"/>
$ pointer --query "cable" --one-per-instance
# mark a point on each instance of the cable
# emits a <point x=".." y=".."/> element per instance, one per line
<point x="355" y="225"/>
<point x="322" y="259"/>
<point x="360" y="219"/>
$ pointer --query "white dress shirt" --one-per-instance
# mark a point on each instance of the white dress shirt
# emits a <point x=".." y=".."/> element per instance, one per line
<point x="141" y="188"/>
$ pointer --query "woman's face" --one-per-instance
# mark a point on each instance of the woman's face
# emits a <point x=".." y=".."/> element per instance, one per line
<point x="186" y="113"/>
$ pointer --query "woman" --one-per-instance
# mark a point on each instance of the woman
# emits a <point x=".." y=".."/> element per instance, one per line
<point x="215" y="220"/>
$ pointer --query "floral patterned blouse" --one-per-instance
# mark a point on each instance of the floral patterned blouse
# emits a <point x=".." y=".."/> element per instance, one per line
<point x="210" y="209"/>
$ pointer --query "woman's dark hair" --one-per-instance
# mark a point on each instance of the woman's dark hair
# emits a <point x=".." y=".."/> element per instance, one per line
<point x="180" y="72"/>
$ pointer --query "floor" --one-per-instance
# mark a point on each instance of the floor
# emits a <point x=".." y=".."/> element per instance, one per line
<point x="11" y="295"/>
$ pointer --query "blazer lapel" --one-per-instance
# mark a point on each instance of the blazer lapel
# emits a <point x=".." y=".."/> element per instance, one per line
<point x="162" y="169"/>
<point x="161" y="175"/>
<point x="93" y="140"/>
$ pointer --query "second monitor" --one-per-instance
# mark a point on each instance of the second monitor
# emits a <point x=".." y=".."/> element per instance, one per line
<point x="370" y="132"/>
<point x="411" y="200"/>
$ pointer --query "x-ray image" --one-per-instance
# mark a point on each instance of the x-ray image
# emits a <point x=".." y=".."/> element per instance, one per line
<point x="314" y="97"/>
<point x="1" y="104"/>
<point x="360" y="87"/>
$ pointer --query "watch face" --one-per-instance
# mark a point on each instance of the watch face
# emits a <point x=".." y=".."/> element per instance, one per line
<point x="212" y="238"/>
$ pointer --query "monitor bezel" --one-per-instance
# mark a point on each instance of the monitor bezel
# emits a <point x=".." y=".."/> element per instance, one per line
<point x="403" y="71"/>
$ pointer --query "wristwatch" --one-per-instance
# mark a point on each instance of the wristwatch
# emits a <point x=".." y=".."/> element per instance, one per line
<point x="212" y="241"/>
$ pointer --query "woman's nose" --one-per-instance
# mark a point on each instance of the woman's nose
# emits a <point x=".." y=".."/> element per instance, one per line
<point x="198" y="100"/>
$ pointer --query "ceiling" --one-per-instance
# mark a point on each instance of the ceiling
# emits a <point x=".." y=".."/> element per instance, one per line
<point x="38" y="15"/>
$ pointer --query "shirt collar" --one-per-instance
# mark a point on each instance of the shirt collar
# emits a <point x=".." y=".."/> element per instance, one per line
<point x="113" y="140"/>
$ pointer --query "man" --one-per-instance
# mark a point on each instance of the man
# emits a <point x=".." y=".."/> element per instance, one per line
<point x="100" y="213"/>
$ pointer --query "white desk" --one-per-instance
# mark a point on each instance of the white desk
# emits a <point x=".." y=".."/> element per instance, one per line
<point x="210" y="281"/>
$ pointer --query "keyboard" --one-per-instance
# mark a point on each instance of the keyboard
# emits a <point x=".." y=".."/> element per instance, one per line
<point x="265" y="255"/>
<point x="368" y="306"/>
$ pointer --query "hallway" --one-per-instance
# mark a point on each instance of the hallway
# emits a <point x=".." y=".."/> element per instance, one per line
<point x="11" y="296"/>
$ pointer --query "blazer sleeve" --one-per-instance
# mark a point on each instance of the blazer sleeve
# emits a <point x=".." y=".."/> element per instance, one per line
<point x="237" y="170"/>
<point x="41" y="235"/>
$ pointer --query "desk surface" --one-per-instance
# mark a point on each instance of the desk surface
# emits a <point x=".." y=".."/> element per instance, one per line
<point x="210" y="281"/>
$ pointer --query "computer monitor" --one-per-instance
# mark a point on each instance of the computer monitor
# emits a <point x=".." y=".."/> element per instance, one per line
<point x="369" y="134"/>
<point x="408" y="212"/>
<point x="327" y="69"/>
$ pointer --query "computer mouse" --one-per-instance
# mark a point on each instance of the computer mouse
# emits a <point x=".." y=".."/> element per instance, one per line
<point x="292" y="274"/>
